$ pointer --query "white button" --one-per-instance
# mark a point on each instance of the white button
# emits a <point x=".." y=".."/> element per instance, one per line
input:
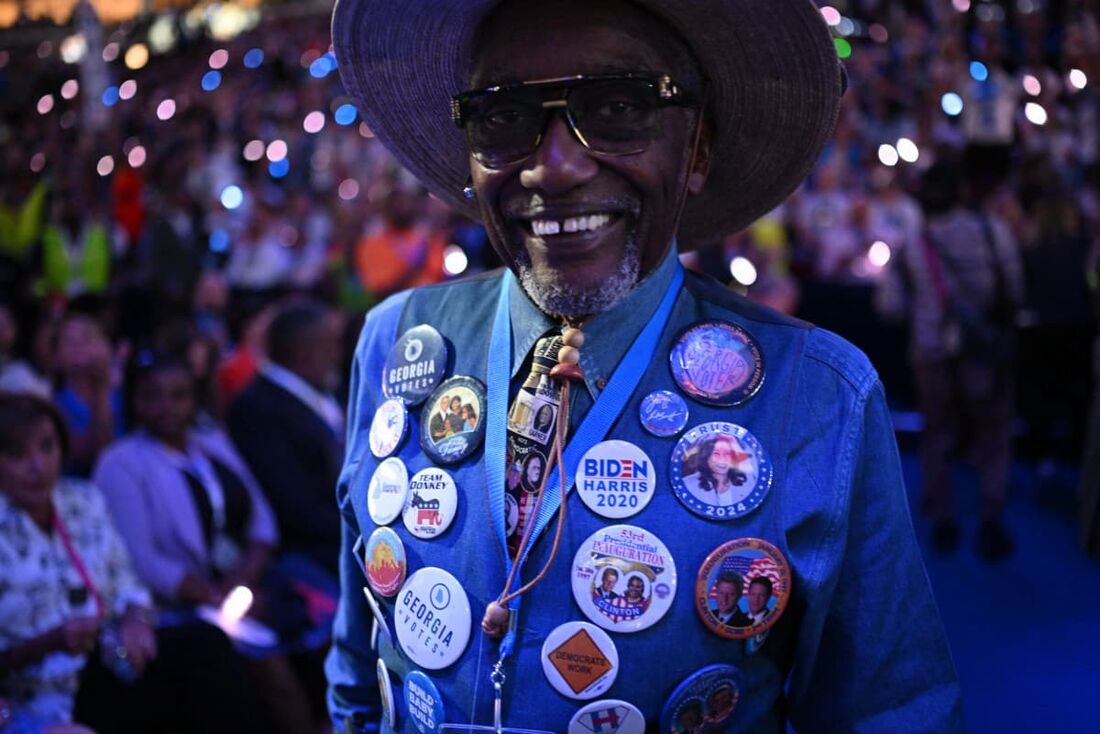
<point x="609" y="716"/>
<point x="388" y="427"/>
<point x="433" y="620"/>
<point x="389" y="486"/>
<point x="432" y="503"/>
<point x="624" y="578"/>
<point x="379" y="617"/>
<point x="616" y="479"/>
<point x="579" y="660"/>
<point x="389" y="712"/>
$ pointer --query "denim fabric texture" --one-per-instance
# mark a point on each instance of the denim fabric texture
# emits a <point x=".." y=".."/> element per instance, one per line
<point x="860" y="647"/>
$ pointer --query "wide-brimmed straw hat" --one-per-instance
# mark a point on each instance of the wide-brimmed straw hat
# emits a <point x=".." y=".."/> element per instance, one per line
<point x="774" y="84"/>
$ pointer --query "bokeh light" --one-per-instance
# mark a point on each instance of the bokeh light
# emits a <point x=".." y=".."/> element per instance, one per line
<point x="74" y="47"/>
<point x="952" y="104"/>
<point x="846" y="27"/>
<point x="364" y="131"/>
<point x="843" y="48"/>
<point x="137" y="56"/>
<point x="830" y="14"/>
<point x="961" y="5"/>
<point x="219" y="59"/>
<point x="166" y="109"/>
<point x="253" y="150"/>
<point x="314" y="122"/>
<point x="163" y="34"/>
<point x="127" y="89"/>
<point x="45" y="104"/>
<point x="219" y="241"/>
<point x="38" y="162"/>
<point x="1035" y="113"/>
<point x="232" y="197"/>
<point x="743" y="271"/>
<point x="276" y="151"/>
<point x="345" y="114"/>
<point x="879" y="254"/>
<point x="888" y="155"/>
<point x="279" y="168"/>
<point x="105" y="165"/>
<point x="70" y="89"/>
<point x="110" y="52"/>
<point x="110" y="96"/>
<point x="322" y="66"/>
<point x="978" y="71"/>
<point x="908" y="150"/>
<point x="254" y="58"/>
<point x="455" y="260"/>
<point x="878" y="33"/>
<point x="348" y="189"/>
<point x="1077" y="79"/>
<point x="1032" y="85"/>
<point x="136" y="156"/>
<point x="211" y="80"/>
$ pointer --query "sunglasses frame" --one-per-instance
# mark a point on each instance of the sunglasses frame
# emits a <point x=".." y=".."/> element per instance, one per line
<point x="669" y="94"/>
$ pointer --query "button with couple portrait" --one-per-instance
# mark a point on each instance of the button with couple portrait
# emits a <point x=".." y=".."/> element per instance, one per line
<point x="624" y="578"/>
<point x="703" y="702"/>
<point x="742" y="588"/>
<point x="415" y="365"/>
<point x="720" y="471"/>
<point x="452" y="422"/>
<point x="717" y="363"/>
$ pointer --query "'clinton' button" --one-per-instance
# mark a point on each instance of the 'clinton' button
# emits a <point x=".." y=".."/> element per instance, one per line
<point x="742" y="588"/>
<point x="609" y="716"/>
<point x="433" y="619"/>
<point x="720" y="471"/>
<point x="389" y="711"/>
<point x="389" y="486"/>
<point x="663" y="413"/>
<point x="384" y="561"/>
<point x="423" y="704"/>
<point x="415" y="365"/>
<point x="433" y="501"/>
<point x="704" y="701"/>
<point x="624" y="578"/>
<point x="616" y="479"/>
<point x="452" y="422"/>
<point x="579" y="660"/>
<point x="388" y="428"/>
<point x="717" y="363"/>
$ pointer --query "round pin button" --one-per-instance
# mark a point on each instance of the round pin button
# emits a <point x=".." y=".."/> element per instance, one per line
<point x="433" y="619"/>
<point x="717" y="363"/>
<point x="704" y="701"/>
<point x="388" y="428"/>
<point x="379" y="615"/>
<point x="720" y="471"/>
<point x="423" y="704"/>
<point x="385" y="561"/>
<point x="433" y="501"/>
<point x="385" y="688"/>
<point x="624" y="578"/>
<point x="663" y="413"/>
<point x="608" y="716"/>
<point x="452" y="422"/>
<point x="616" y="479"/>
<point x="511" y="514"/>
<point x="742" y="588"/>
<point x="580" y="660"/>
<point x="389" y="486"/>
<point x="415" y="365"/>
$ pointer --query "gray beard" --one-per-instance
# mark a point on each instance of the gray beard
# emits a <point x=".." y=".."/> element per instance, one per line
<point x="559" y="298"/>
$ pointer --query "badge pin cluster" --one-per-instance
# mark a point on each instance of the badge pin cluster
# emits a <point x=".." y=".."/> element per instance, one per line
<point x="624" y="578"/>
<point x="742" y="589"/>
<point x="717" y="363"/>
<point x="720" y="471"/>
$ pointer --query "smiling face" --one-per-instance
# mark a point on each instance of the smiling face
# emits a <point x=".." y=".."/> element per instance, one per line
<point x="623" y="209"/>
<point x="721" y="457"/>
<point x="759" y="594"/>
<point x="726" y="595"/>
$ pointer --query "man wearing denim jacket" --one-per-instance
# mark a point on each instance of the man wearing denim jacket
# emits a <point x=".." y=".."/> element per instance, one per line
<point x="593" y="140"/>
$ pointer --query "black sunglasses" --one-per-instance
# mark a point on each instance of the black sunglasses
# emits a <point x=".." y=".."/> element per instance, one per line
<point x="611" y="114"/>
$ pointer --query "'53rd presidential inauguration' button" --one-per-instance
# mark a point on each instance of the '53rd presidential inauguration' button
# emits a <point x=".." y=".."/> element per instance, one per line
<point x="720" y="471"/>
<point x="432" y="616"/>
<point x="415" y="365"/>
<point x="717" y="363"/>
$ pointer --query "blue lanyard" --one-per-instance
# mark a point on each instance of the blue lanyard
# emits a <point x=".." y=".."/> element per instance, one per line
<point x="590" y="432"/>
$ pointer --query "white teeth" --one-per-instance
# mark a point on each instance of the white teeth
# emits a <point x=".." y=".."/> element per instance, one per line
<point x="543" y="227"/>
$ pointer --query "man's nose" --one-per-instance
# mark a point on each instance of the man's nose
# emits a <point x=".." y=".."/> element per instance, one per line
<point x="561" y="162"/>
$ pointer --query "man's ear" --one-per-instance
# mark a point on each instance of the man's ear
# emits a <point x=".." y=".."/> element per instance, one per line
<point x="700" y="163"/>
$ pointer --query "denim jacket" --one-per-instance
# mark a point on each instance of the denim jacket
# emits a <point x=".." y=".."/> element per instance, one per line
<point x="860" y="646"/>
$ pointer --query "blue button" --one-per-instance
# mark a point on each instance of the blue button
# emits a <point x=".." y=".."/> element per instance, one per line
<point x="663" y="413"/>
<point x="717" y="363"/>
<point x="720" y="471"/>
<point x="415" y="365"/>
<point x="704" y="701"/>
<point x="423" y="703"/>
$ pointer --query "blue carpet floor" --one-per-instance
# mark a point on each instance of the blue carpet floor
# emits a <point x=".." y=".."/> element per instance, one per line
<point x="1025" y="632"/>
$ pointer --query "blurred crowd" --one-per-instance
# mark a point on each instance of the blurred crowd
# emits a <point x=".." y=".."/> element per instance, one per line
<point x="188" y="240"/>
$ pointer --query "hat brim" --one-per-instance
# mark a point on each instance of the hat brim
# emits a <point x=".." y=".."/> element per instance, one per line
<point x="775" y="87"/>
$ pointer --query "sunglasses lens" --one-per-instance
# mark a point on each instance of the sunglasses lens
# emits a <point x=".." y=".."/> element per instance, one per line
<point x="618" y="117"/>
<point x="503" y="127"/>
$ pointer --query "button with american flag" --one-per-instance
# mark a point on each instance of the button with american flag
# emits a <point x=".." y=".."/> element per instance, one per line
<point x="742" y="588"/>
<point x="609" y="716"/>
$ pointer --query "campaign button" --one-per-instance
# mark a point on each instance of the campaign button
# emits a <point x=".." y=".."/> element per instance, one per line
<point x="388" y="428"/>
<point x="608" y="716"/>
<point x="389" y="486"/>
<point x="754" y="643"/>
<point x="384" y="561"/>
<point x="415" y="365"/>
<point x="423" y="704"/>
<point x="379" y="616"/>
<point x="511" y="514"/>
<point x="579" y="660"/>
<point x="663" y="413"/>
<point x="624" y="578"/>
<point x="717" y="363"/>
<point x="742" y="588"/>
<point x="720" y="471"/>
<point x="452" y="422"/>
<point x="616" y="479"/>
<point x="385" y="688"/>
<point x="432" y="503"/>
<point x="433" y="620"/>
<point x="704" y="701"/>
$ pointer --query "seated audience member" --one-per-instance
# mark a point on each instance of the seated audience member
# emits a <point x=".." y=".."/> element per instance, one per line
<point x="16" y="375"/>
<point x="289" y="429"/>
<point x="191" y="513"/>
<point x="73" y="616"/>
